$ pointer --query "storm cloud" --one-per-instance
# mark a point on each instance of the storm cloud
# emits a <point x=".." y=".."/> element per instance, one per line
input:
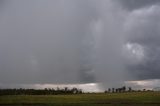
<point x="41" y="41"/>
<point x="142" y="30"/>
<point x="137" y="4"/>
<point x="79" y="41"/>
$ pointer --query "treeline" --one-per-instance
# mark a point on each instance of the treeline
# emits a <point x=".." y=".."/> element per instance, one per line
<point x="123" y="89"/>
<point x="118" y="90"/>
<point x="45" y="91"/>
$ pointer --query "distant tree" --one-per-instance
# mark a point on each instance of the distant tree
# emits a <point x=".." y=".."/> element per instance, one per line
<point x="46" y="91"/>
<point x="129" y="89"/>
<point x="116" y="90"/>
<point x="123" y="89"/>
<point x="109" y="89"/>
<point x="120" y="89"/>
<point x="113" y="90"/>
<point x="66" y="90"/>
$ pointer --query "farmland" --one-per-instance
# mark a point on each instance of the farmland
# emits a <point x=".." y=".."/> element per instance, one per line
<point x="90" y="99"/>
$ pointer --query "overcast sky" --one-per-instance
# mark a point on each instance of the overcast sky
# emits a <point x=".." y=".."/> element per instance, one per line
<point x="79" y="41"/>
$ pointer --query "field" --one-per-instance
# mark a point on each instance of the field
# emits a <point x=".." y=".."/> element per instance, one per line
<point x="101" y="99"/>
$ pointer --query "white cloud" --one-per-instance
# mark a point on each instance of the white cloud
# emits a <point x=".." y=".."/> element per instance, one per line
<point x="134" y="52"/>
<point x="144" y="84"/>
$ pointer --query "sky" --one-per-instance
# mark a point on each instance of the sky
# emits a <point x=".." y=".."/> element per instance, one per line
<point x="79" y="41"/>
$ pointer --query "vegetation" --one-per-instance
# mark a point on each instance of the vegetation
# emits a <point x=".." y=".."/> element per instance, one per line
<point x="75" y="97"/>
<point x="122" y="89"/>
<point x="93" y="99"/>
<point x="40" y="91"/>
<point x="58" y="91"/>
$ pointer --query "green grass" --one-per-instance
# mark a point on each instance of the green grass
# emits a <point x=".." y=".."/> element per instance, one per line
<point x="110" y="99"/>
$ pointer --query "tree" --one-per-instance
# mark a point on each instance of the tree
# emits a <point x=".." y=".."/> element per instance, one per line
<point x="113" y="90"/>
<point x="109" y="89"/>
<point x="123" y="89"/>
<point x="129" y="89"/>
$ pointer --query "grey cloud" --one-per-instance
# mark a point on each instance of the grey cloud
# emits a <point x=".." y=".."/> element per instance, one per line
<point x="77" y="41"/>
<point x="135" y="4"/>
<point x="143" y="29"/>
<point x="60" y="41"/>
<point x="41" y="41"/>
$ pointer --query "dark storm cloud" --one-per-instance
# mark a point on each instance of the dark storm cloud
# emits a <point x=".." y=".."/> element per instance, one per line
<point x="143" y="29"/>
<point x="73" y="41"/>
<point x="79" y="41"/>
<point x="135" y="4"/>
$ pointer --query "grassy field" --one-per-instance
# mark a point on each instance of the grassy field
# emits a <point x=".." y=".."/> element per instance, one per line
<point x="110" y="99"/>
